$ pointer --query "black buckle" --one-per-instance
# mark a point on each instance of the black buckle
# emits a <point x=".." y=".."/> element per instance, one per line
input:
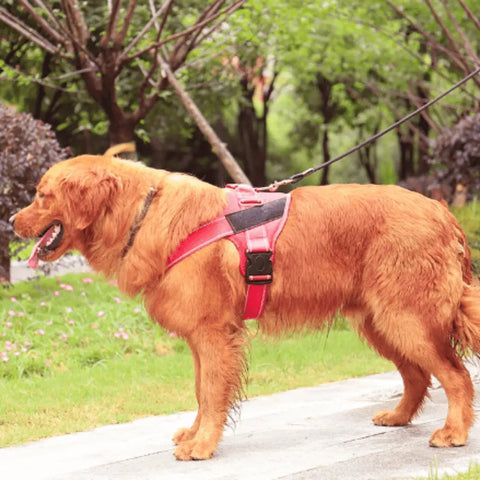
<point x="259" y="268"/>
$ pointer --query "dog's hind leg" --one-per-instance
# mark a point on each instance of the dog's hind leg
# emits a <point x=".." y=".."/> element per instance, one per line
<point x="221" y="361"/>
<point x="415" y="380"/>
<point x="428" y="352"/>
<point x="456" y="381"/>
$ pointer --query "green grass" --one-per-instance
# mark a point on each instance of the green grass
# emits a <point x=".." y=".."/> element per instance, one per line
<point x="473" y="473"/>
<point x="75" y="354"/>
<point x="468" y="217"/>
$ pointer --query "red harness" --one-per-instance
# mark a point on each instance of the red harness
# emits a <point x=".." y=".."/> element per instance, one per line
<point x="252" y="221"/>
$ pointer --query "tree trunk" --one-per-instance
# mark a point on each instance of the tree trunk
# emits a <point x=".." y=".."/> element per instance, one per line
<point x="253" y="152"/>
<point x="328" y="109"/>
<point x="422" y="140"/>
<point x="252" y="135"/>
<point x="326" y="157"/>
<point x="368" y="165"/>
<point x="4" y="261"/>
<point x="121" y="129"/>
<point x="407" y="167"/>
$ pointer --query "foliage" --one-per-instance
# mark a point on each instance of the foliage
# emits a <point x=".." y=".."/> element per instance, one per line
<point x="106" y="57"/>
<point x="27" y="148"/>
<point x="379" y="61"/>
<point x="457" y="153"/>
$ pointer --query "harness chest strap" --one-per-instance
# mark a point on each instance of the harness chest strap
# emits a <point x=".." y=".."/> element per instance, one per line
<point x="252" y="221"/>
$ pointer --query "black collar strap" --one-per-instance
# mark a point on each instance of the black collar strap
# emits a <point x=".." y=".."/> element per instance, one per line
<point x="137" y="223"/>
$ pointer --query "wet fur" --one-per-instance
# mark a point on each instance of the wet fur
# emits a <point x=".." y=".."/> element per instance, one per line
<point x="394" y="262"/>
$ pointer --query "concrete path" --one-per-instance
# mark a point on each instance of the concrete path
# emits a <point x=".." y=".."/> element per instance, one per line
<point x="20" y="270"/>
<point x="323" y="432"/>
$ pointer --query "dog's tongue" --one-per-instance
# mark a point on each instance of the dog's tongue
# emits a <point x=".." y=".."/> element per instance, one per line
<point x="33" y="260"/>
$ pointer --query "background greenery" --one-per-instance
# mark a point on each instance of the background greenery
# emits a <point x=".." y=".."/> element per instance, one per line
<point x="285" y="83"/>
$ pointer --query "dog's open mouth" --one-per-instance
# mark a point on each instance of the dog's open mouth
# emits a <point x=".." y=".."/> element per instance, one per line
<point x="49" y="240"/>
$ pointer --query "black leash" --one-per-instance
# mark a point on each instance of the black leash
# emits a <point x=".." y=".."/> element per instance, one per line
<point x="300" y="176"/>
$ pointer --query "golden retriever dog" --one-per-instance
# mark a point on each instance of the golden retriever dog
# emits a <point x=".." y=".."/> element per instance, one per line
<point x="395" y="263"/>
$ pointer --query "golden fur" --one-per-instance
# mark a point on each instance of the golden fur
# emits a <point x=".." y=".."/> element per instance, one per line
<point x="394" y="262"/>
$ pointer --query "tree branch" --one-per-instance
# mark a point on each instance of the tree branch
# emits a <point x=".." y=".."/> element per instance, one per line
<point x="229" y="11"/>
<point x="126" y="21"/>
<point x="188" y="31"/>
<point x="467" y="45"/>
<point x="41" y="22"/>
<point x="154" y="66"/>
<point x="28" y="32"/>
<point x="218" y="146"/>
<point x="212" y="9"/>
<point x="470" y="14"/>
<point x="50" y="13"/>
<point x="449" y="36"/>
<point x="112" y="23"/>
<point x="145" y="29"/>
<point x="452" y="55"/>
<point x="76" y="24"/>
<point x="413" y="54"/>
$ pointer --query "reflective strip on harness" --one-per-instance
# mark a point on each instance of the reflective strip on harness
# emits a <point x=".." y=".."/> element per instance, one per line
<point x="252" y="221"/>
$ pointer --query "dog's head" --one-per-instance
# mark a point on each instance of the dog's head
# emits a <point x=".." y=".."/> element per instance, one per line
<point x="70" y="197"/>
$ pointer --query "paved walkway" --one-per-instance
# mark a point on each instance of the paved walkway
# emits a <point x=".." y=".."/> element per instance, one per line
<point x="20" y="270"/>
<point x="323" y="432"/>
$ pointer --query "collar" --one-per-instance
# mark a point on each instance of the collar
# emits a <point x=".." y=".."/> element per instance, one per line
<point x="137" y="222"/>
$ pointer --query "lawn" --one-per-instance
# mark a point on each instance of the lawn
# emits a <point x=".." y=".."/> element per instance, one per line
<point x="75" y="353"/>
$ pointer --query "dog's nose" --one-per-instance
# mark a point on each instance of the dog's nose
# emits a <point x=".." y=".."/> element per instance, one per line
<point x="11" y="220"/>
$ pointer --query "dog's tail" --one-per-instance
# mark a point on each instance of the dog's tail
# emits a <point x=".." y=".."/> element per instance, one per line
<point x="128" y="147"/>
<point x="467" y="323"/>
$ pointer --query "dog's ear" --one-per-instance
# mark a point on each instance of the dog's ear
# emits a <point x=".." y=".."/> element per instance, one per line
<point x="86" y="192"/>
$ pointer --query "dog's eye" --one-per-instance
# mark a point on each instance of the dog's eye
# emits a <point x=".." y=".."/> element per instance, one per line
<point x="40" y="195"/>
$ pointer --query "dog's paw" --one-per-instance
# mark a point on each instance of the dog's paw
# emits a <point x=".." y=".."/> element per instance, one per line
<point x="390" y="418"/>
<point x="448" y="437"/>
<point x="183" y="435"/>
<point x="194" y="450"/>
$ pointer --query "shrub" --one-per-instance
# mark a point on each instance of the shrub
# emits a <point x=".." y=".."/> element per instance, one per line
<point x="28" y="147"/>
<point x="457" y="154"/>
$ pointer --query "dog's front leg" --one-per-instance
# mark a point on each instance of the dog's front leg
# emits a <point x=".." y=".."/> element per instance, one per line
<point x="220" y="351"/>
<point x="184" y="434"/>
